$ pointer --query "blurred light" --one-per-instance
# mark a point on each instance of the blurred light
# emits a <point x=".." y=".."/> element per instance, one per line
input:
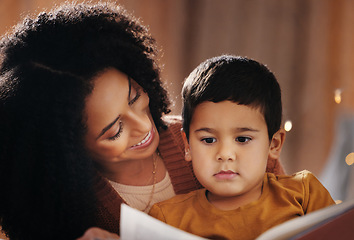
<point x="349" y="159"/>
<point x="338" y="95"/>
<point x="288" y="125"/>
<point x="338" y="201"/>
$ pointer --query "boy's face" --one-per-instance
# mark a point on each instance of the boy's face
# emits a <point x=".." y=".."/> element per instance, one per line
<point x="229" y="148"/>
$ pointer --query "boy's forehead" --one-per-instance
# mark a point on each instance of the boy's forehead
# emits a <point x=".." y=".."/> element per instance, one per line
<point x="227" y="113"/>
<point x="227" y="106"/>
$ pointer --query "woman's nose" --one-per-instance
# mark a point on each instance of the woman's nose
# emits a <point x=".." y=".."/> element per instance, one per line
<point x="139" y="122"/>
<point x="226" y="152"/>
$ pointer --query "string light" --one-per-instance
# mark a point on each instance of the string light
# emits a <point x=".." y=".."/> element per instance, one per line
<point x="338" y="95"/>
<point x="349" y="159"/>
<point x="288" y="125"/>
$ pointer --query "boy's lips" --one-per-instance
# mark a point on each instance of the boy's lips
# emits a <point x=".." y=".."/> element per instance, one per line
<point x="146" y="141"/>
<point x="225" y="175"/>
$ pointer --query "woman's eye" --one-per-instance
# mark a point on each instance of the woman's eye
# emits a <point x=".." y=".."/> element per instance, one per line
<point x="135" y="95"/>
<point x="243" y="139"/>
<point x="117" y="135"/>
<point x="209" y="140"/>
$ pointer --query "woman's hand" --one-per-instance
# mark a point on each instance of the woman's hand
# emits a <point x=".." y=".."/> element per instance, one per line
<point x="96" y="233"/>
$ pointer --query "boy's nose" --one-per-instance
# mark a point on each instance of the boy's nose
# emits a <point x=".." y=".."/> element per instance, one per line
<point x="226" y="153"/>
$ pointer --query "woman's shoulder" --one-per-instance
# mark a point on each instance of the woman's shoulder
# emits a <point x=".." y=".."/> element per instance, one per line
<point x="171" y="134"/>
<point x="173" y="125"/>
<point x="171" y="120"/>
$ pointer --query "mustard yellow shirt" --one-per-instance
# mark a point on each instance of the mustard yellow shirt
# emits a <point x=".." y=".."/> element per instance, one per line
<point x="283" y="198"/>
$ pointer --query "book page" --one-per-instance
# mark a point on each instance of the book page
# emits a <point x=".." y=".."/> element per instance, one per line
<point x="136" y="225"/>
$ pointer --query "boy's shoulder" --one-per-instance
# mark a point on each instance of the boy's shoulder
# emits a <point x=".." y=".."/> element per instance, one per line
<point x="296" y="176"/>
<point x="299" y="186"/>
<point x="300" y="176"/>
<point x="304" y="182"/>
<point x="299" y="180"/>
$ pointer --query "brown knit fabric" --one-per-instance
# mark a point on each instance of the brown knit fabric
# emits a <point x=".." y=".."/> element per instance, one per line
<point x="108" y="205"/>
<point x="171" y="149"/>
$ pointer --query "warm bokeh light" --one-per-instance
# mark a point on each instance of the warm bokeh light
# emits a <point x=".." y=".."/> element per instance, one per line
<point x="338" y="95"/>
<point x="288" y="125"/>
<point x="349" y="159"/>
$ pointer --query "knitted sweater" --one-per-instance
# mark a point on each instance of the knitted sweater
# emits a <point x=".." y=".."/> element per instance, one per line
<point x="171" y="150"/>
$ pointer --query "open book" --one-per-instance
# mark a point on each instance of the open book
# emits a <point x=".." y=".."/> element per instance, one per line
<point x="336" y="219"/>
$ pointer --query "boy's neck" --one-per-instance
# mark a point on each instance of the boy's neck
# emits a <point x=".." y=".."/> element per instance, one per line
<point x="233" y="202"/>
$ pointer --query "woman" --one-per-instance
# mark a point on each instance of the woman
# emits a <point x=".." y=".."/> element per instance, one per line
<point x="81" y="127"/>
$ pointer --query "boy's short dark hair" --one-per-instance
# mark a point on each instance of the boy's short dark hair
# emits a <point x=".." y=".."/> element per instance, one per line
<point x="237" y="79"/>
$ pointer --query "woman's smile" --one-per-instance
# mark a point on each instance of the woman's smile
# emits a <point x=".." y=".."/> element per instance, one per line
<point x="146" y="141"/>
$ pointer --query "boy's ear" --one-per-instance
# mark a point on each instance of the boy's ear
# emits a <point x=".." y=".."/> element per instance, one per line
<point x="187" y="154"/>
<point x="276" y="144"/>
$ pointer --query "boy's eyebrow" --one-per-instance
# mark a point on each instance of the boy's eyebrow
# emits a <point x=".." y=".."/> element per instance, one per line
<point x="238" y="129"/>
<point x="246" y="129"/>
<point x="204" y="130"/>
<point x="106" y="128"/>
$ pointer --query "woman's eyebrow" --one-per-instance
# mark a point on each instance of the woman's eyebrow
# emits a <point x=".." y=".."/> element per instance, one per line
<point x="106" y="128"/>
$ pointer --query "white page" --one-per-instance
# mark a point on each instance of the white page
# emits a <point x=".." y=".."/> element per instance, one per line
<point x="137" y="225"/>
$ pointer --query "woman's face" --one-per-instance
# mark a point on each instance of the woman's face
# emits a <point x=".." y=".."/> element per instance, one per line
<point x="119" y="124"/>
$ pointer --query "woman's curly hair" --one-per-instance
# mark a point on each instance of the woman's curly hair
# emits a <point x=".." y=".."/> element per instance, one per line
<point x="47" y="67"/>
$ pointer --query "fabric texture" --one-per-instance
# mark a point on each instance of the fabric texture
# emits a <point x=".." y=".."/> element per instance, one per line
<point x="171" y="150"/>
<point x="139" y="196"/>
<point x="283" y="198"/>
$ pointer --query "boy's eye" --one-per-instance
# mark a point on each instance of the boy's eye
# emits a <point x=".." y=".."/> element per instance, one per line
<point x="243" y="139"/>
<point x="209" y="140"/>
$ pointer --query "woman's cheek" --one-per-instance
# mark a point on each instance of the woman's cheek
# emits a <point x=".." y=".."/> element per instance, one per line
<point x="114" y="148"/>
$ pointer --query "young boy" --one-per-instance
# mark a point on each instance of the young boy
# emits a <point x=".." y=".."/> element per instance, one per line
<point x="231" y="120"/>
